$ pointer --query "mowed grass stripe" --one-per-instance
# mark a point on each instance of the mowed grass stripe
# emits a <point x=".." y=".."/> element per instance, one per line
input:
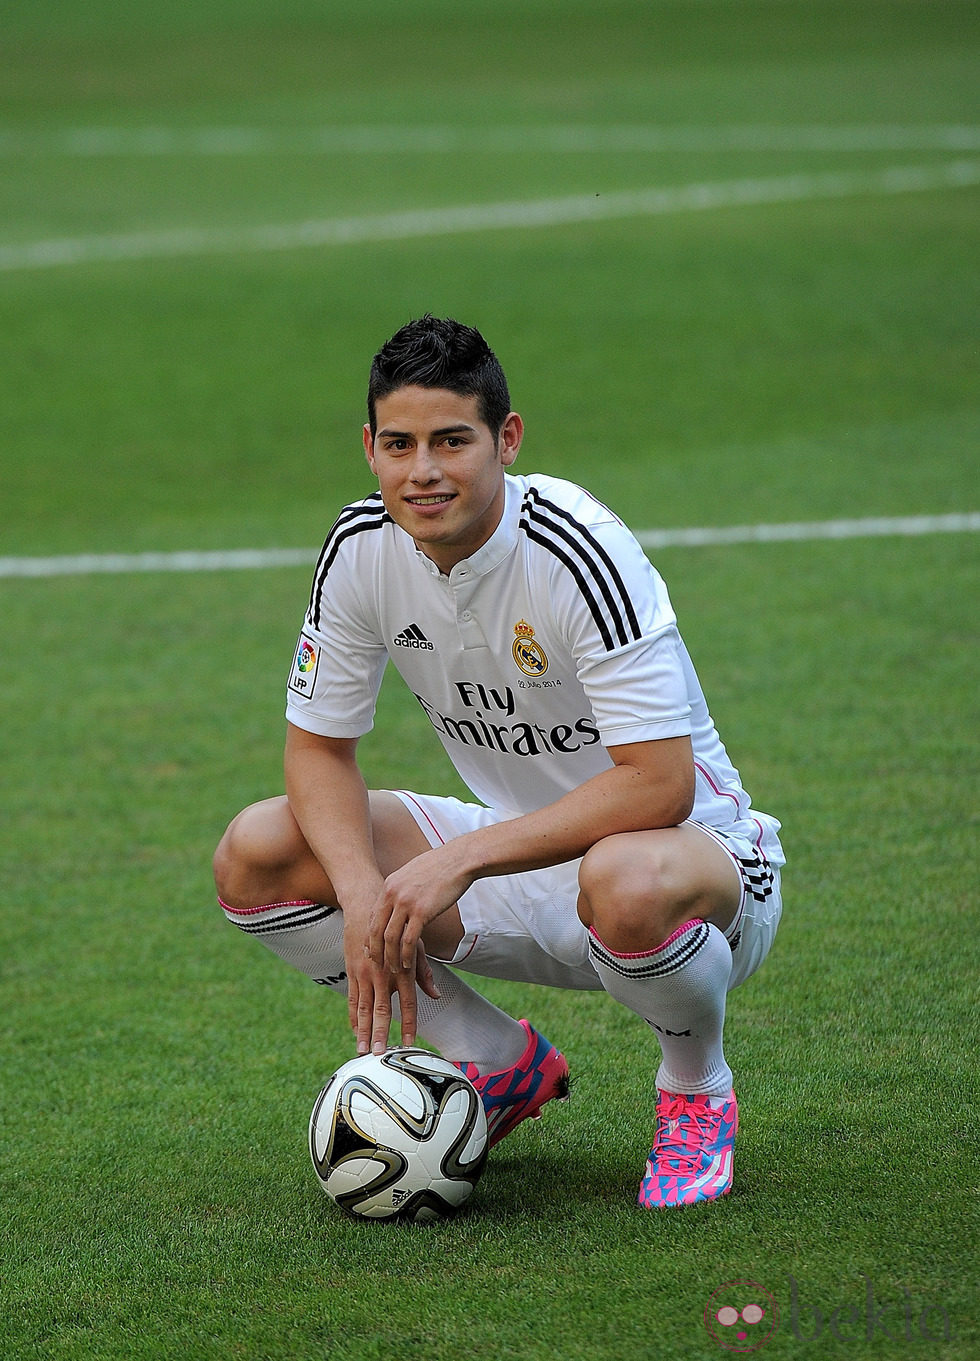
<point x="237" y="559"/>
<point x="477" y="217"/>
<point x="440" y="139"/>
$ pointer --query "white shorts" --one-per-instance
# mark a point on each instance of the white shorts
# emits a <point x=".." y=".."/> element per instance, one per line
<point x="525" y="927"/>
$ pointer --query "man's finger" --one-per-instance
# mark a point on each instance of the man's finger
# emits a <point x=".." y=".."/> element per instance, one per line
<point x="407" y="1005"/>
<point x="381" y="1023"/>
<point x="364" y="1020"/>
<point x="410" y="944"/>
<point x="376" y="941"/>
<point x="423" y="973"/>
<point x="392" y="945"/>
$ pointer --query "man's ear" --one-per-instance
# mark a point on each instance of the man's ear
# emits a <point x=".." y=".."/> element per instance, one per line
<point x="369" y="449"/>
<point x="509" y="440"/>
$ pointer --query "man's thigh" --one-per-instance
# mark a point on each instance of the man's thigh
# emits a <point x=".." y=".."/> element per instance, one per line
<point x="521" y="927"/>
<point x="526" y="927"/>
<point x="264" y="857"/>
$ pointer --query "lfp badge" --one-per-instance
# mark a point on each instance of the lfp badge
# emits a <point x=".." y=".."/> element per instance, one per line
<point x="529" y="655"/>
<point x="303" y="674"/>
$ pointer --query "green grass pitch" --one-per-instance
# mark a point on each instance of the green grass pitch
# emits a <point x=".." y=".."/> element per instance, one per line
<point x="811" y="357"/>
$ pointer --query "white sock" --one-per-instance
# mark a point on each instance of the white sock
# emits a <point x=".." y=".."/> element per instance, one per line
<point x="461" y="1024"/>
<point x="679" y="989"/>
<point x="465" y="1027"/>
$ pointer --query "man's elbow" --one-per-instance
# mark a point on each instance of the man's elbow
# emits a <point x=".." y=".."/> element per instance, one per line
<point x="680" y="803"/>
<point x="666" y="803"/>
<point x="674" y="794"/>
<point x="665" y="778"/>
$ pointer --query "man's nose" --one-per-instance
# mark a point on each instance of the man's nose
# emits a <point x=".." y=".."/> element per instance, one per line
<point x="424" y="468"/>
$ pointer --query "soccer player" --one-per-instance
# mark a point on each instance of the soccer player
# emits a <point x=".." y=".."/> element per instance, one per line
<point x="611" y="844"/>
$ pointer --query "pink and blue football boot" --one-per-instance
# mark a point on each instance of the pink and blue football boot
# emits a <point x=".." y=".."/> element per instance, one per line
<point x="691" y="1158"/>
<point x="515" y="1094"/>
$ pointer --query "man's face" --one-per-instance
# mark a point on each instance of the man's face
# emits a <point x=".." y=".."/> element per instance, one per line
<point x="440" y="470"/>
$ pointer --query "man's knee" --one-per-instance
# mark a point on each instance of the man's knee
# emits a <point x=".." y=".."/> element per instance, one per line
<point x="633" y="890"/>
<point x="230" y="856"/>
<point x="262" y="841"/>
<point x="639" y="887"/>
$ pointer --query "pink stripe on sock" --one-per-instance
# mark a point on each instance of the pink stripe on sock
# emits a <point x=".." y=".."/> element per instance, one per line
<point x="644" y="954"/>
<point x="266" y="907"/>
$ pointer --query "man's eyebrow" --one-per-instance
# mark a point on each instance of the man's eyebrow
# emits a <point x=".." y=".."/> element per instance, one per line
<point x="461" y="429"/>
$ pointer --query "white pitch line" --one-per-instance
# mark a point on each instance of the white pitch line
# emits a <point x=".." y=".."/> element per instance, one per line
<point x="872" y="527"/>
<point x="441" y="139"/>
<point x="238" y="559"/>
<point x="478" y="217"/>
<point x="222" y="560"/>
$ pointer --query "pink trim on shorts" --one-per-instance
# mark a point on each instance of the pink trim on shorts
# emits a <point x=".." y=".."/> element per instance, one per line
<point x="723" y="794"/>
<point x="266" y="907"/>
<point x="406" y="794"/>
<point x="473" y="942"/>
<point x="717" y="837"/>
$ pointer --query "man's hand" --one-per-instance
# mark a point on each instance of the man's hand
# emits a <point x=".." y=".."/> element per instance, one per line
<point x="393" y="959"/>
<point x="412" y="897"/>
<point x="371" y="986"/>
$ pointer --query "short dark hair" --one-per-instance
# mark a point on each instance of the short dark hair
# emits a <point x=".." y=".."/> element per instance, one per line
<point x="435" y="352"/>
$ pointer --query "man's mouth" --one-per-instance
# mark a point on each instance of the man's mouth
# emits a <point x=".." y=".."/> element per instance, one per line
<point x="429" y="500"/>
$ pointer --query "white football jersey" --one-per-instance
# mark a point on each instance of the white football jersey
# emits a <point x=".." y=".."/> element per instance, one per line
<point x="553" y="642"/>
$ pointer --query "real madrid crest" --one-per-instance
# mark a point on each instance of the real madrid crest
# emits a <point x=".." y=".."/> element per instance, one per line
<point x="529" y="655"/>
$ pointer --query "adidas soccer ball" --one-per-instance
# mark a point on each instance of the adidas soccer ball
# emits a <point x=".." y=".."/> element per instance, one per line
<point x="401" y="1135"/>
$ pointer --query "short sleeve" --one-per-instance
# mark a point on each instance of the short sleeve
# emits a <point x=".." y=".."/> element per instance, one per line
<point x="633" y="674"/>
<point x="339" y="659"/>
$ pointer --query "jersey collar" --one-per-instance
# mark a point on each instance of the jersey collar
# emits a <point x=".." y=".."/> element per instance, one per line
<point x="500" y="542"/>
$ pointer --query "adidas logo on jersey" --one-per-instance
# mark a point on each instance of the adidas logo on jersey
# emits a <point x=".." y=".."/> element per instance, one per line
<point x="413" y="637"/>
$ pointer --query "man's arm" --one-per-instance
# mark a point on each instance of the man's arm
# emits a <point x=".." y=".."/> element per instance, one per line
<point x="650" y="785"/>
<point x="329" y="800"/>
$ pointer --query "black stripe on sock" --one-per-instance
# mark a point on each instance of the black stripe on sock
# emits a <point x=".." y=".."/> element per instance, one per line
<point x="659" y="966"/>
<point x="289" y="921"/>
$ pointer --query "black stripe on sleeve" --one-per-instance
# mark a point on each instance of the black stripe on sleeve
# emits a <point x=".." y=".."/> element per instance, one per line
<point x="590" y="566"/>
<point x="580" y="580"/>
<point x="601" y="565"/>
<point x="370" y="514"/>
